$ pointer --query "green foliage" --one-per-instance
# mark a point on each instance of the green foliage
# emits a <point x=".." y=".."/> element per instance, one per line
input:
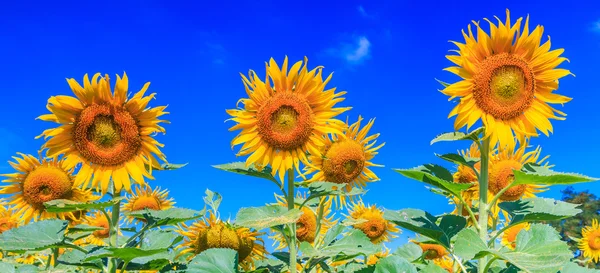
<point x="538" y="209"/>
<point x="172" y="216"/>
<point x="35" y="236"/>
<point x="240" y="168"/>
<point x="267" y="216"/>
<point x="436" y="176"/>
<point x="535" y="174"/>
<point x="63" y="205"/>
<point x="455" y="136"/>
<point x="426" y="224"/>
<point x="220" y="260"/>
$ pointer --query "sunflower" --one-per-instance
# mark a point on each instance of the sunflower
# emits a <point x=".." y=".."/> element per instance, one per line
<point x="306" y="226"/>
<point x="32" y="258"/>
<point x="590" y="241"/>
<point x="374" y="258"/>
<point x="214" y="233"/>
<point x="432" y="251"/>
<point x="98" y="237"/>
<point x="145" y="197"/>
<point x="501" y="173"/>
<point x="8" y="219"/>
<point x="346" y="159"/>
<point x="373" y="224"/>
<point x="466" y="174"/>
<point x="446" y="263"/>
<point x="282" y="121"/>
<point x="509" y="238"/>
<point x="507" y="81"/>
<point x="38" y="181"/>
<point x="110" y="134"/>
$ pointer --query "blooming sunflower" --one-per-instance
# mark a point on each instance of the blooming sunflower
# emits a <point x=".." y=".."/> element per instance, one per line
<point x="507" y="81"/>
<point x="509" y="238"/>
<point x="145" y="197"/>
<point x="8" y="219"/>
<point x="445" y="263"/>
<point x="590" y="241"/>
<point x="346" y="159"/>
<point x="110" y="134"/>
<point x="282" y="121"/>
<point x="98" y="237"/>
<point x="432" y="251"/>
<point x="374" y="226"/>
<point x="38" y="181"/>
<point x="306" y="226"/>
<point x="214" y="233"/>
<point x="501" y="173"/>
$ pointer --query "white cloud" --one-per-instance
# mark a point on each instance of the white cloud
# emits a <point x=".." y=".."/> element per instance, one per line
<point x="360" y="50"/>
<point x="364" y="13"/>
<point x="596" y="26"/>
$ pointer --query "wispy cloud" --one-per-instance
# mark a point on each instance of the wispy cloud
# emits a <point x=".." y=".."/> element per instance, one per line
<point x="364" y="13"/>
<point x="596" y="26"/>
<point x="360" y="51"/>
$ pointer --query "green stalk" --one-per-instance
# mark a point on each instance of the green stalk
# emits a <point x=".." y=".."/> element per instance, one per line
<point x="113" y="263"/>
<point x="483" y="202"/>
<point x="291" y="206"/>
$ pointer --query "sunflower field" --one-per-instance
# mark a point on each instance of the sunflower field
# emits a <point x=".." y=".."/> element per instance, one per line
<point x="85" y="202"/>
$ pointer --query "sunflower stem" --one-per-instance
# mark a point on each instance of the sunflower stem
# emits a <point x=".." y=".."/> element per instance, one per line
<point x="483" y="202"/>
<point x="113" y="263"/>
<point x="470" y="211"/>
<point x="291" y="206"/>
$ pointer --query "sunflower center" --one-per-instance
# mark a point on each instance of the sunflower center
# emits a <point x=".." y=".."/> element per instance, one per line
<point x="103" y="233"/>
<point x="46" y="183"/>
<point x="146" y="202"/>
<point x="594" y="241"/>
<point x="501" y="176"/>
<point x="306" y="226"/>
<point x="504" y="86"/>
<point x="344" y="161"/>
<point x="373" y="228"/>
<point x="285" y="121"/>
<point x="218" y="236"/>
<point x="106" y="135"/>
<point x="431" y="254"/>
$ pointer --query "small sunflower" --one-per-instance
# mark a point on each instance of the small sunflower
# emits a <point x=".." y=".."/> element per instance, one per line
<point x="590" y="241"/>
<point x="509" y="238"/>
<point x="374" y="258"/>
<point x="214" y="233"/>
<point x="145" y="197"/>
<point x="465" y="174"/>
<point x="282" y="121"/>
<point x="432" y="251"/>
<point x="38" y="181"/>
<point x="110" y="134"/>
<point x="374" y="226"/>
<point x="306" y="226"/>
<point x="445" y="263"/>
<point x="501" y="173"/>
<point x="98" y="237"/>
<point x="346" y="159"/>
<point x="8" y="219"/>
<point x="508" y="80"/>
<point x="32" y="258"/>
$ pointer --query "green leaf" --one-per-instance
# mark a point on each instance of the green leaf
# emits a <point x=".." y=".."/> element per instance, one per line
<point x="395" y="264"/>
<point x="76" y="258"/>
<point x="350" y="245"/>
<point x="426" y="224"/>
<point x="7" y="268"/>
<point x="83" y="228"/>
<point x="459" y="159"/>
<point x="240" y="168"/>
<point x="436" y="176"/>
<point x="538" y="209"/>
<point x="167" y="217"/>
<point x="468" y="244"/>
<point x="535" y="174"/>
<point x="170" y="166"/>
<point x="159" y="241"/>
<point x="455" y="136"/>
<point x="222" y="260"/>
<point x="267" y="216"/>
<point x="433" y="268"/>
<point x="355" y="267"/>
<point x="332" y="233"/>
<point x="409" y="252"/>
<point x="63" y="205"/>
<point x="213" y="200"/>
<point x="318" y="189"/>
<point x="34" y="236"/>
<point x="572" y="267"/>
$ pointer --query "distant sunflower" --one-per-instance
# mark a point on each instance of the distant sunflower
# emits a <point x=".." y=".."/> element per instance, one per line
<point x="306" y="226"/>
<point x="374" y="258"/>
<point x="466" y="174"/>
<point x="98" y="237"/>
<point x="8" y="219"/>
<point x="282" y="121"/>
<point x="346" y="159"/>
<point x="214" y="233"/>
<point x="110" y="134"/>
<point x="32" y="258"/>
<point x="590" y="241"/>
<point x="501" y="173"/>
<point x="446" y="263"/>
<point x="38" y="181"/>
<point x="432" y="251"/>
<point x="374" y="226"/>
<point x="145" y="197"/>
<point x="509" y="238"/>
<point x="507" y="81"/>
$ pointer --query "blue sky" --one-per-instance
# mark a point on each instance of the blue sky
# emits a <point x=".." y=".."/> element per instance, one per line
<point x="385" y="54"/>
